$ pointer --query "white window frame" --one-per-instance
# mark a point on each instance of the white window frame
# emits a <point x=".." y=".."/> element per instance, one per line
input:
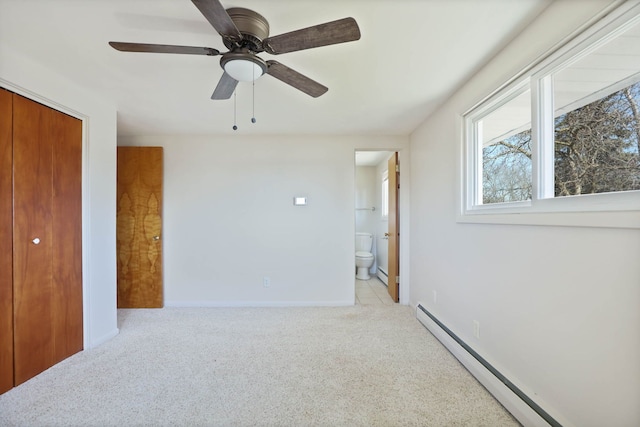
<point x="474" y="148"/>
<point x="616" y="209"/>
<point x="384" y="195"/>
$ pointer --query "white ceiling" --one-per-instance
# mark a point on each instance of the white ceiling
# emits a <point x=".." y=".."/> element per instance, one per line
<point x="371" y="158"/>
<point x="412" y="55"/>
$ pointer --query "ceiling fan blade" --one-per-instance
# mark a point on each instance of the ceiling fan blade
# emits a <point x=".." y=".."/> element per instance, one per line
<point x="225" y="88"/>
<point x="340" y="31"/>
<point x="163" y="48"/>
<point x="295" y="79"/>
<point x="218" y="18"/>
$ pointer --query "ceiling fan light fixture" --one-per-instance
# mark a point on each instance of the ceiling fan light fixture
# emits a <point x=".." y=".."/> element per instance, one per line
<point x="243" y="67"/>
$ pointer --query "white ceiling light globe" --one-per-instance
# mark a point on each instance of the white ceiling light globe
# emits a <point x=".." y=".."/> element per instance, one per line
<point x="243" y="70"/>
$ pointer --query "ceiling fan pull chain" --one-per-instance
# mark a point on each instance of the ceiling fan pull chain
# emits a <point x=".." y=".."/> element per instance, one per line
<point x="253" y="94"/>
<point x="235" y="100"/>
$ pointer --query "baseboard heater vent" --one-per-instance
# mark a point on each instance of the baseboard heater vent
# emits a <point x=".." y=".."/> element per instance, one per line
<point x="530" y="413"/>
<point x="382" y="275"/>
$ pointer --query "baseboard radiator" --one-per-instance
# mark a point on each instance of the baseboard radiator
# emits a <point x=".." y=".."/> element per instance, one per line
<point x="521" y="406"/>
<point x="382" y="275"/>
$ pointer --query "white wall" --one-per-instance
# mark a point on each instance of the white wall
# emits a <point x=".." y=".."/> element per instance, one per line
<point x="366" y="199"/>
<point x="229" y="218"/>
<point x="558" y="306"/>
<point x="35" y="81"/>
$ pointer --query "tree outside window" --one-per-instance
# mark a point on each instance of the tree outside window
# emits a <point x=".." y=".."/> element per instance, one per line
<point x="597" y="146"/>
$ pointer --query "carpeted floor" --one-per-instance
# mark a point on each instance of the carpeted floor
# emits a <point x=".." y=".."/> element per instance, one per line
<point x="329" y="366"/>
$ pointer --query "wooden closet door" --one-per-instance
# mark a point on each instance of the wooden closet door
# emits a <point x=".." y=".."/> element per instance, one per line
<point x="139" y="227"/>
<point x="67" y="321"/>
<point x="47" y="262"/>
<point x="32" y="268"/>
<point x="6" y="241"/>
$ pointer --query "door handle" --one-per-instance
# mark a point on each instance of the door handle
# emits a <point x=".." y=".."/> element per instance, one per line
<point x="36" y="241"/>
<point x="156" y="237"/>
<point x="386" y="234"/>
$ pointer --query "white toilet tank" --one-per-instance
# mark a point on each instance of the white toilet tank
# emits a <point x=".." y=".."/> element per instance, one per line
<point x="364" y="241"/>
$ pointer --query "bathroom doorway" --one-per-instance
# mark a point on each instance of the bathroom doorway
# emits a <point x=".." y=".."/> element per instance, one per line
<point x="376" y="213"/>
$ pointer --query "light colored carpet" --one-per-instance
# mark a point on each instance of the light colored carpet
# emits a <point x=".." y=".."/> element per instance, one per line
<point x="329" y="366"/>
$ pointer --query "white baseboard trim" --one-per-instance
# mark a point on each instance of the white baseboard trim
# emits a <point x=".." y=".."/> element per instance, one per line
<point x="231" y="304"/>
<point x="95" y="343"/>
<point x="515" y="404"/>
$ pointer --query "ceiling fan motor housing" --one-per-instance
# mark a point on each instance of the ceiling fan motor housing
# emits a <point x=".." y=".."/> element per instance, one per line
<point x="253" y="27"/>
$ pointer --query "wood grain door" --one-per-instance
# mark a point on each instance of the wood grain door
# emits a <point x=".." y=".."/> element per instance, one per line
<point x="394" y="229"/>
<point x="139" y="227"/>
<point x="66" y="210"/>
<point x="47" y="235"/>
<point x="6" y="241"/>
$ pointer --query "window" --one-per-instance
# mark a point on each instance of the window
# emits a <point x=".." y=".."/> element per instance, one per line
<point x="385" y="194"/>
<point x="597" y="126"/>
<point x="504" y="135"/>
<point x="565" y="136"/>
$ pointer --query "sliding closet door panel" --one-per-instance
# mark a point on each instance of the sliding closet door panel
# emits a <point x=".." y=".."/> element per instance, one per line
<point x="32" y="267"/>
<point x="6" y="241"/>
<point x="67" y="235"/>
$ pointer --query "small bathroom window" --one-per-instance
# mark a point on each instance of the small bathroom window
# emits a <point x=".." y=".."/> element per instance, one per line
<point x="385" y="195"/>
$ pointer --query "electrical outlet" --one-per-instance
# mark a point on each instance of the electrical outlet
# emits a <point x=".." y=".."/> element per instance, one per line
<point x="266" y="282"/>
<point x="476" y="329"/>
<point x="435" y="296"/>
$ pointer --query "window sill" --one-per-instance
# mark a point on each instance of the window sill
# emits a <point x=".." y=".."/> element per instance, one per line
<point x="626" y="219"/>
<point x="607" y="210"/>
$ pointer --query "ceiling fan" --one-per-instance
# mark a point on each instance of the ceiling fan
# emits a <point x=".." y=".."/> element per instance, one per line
<point x="246" y="33"/>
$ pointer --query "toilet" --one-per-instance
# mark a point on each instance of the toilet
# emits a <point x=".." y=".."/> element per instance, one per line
<point x="364" y="257"/>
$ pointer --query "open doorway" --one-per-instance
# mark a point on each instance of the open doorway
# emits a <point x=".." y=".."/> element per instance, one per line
<point x="375" y="206"/>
